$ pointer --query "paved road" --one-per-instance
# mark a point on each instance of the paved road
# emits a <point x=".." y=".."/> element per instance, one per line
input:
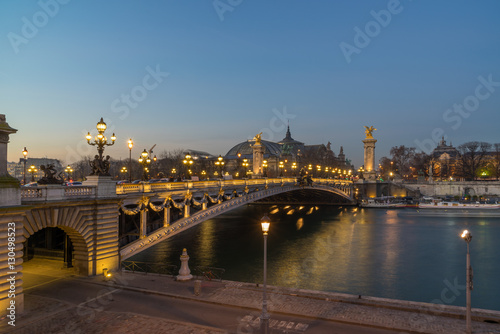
<point x="94" y="298"/>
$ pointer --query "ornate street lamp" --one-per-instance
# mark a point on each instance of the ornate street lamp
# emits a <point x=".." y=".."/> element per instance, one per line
<point x="220" y="163"/>
<point x="265" y="222"/>
<point x="281" y="166"/>
<point x="68" y="171"/>
<point x="25" y="155"/>
<point x="123" y="171"/>
<point x="99" y="166"/>
<point x="264" y="166"/>
<point x="145" y="160"/>
<point x="245" y="164"/>
<point x="130" y="145"/>
<point x="188" y="162"/>
<point x="33" y="171"/>
<point x="469" y="285"/>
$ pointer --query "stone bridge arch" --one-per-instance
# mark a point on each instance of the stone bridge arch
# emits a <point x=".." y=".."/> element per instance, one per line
<point x="92" y="227"/>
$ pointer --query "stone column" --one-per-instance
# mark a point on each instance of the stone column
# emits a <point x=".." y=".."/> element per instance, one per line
<point x="12" y="236"/>
<point x="258" y="158"/>
<point x="144" y="222"/>
<point x="9" y="186"/>
<point x="187" y="211"/>
<point x="369" y="173"/>
<point x="166" y="215"/>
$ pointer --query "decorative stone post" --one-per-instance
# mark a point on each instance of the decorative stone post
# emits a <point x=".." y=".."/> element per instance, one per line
<point x="10" y="193"/>
<point x="369" y="154"/>
<point x="258" y="156"/>
<point x="184" y="272"/>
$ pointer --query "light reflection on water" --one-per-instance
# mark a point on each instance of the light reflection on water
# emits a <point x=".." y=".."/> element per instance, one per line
<point x="372" y="252"/>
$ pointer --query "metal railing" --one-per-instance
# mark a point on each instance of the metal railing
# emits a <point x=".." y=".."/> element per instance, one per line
<point x="208" y="273"/>
<point x="150" y="268"/>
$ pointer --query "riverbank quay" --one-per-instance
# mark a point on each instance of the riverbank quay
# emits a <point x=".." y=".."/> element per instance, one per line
<point x="403" y="316"/>
<point x="50" y="315"/>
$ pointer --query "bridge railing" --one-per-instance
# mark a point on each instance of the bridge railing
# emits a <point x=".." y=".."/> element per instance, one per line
<point x="208" y="273"/>
<point x="146" y="187"/>
<point x="57" y="192"/>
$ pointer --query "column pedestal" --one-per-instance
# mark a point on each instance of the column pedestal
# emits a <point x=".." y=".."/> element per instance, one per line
<point x="369" y="155"/>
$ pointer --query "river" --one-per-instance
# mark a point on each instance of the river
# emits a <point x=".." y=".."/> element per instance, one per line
<point x="370" y="252"/>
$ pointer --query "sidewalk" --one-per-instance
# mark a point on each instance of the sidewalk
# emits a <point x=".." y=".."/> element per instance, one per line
<point x="46" y="315"/>
<point x="405" y="316"/>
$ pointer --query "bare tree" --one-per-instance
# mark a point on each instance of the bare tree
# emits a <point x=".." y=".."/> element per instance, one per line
<point x="420" y="162"/>
<point x="402" y="157"/>
<point x="471" y="157"/>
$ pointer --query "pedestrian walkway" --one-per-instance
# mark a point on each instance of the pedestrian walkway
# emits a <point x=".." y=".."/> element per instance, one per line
<point x="46" y="315"/>
<point x="405" y="316"/>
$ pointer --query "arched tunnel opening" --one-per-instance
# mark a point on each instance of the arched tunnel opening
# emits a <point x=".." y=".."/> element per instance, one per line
<point x="48" y="254"/>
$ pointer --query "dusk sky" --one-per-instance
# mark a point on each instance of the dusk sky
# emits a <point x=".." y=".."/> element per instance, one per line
<point x="206" y="75"/>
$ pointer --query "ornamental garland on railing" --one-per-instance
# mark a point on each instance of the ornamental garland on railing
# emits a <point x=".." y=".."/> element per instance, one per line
<point x="179" y="206"/>
<point x="133" y="211"/>
<point x="160" y="207"/>
<point x="200" y="202"/>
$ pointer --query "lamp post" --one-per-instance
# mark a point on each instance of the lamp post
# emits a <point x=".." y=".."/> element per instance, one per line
<point x="100" y="140"/>
<point x="281" y="166"/>
<point x="220" y="163"/>
<point x="99" y="166"/>
<point x="123" y="171"/>
<point x="130" y="145"/>
<point x="265" y="222"/>
<point x="68" y="171"/>
<point x="245" y="164"/>
<point x="25" y="155"/>
<point x="32" y="170"/>
<point x="188" y="161"/>
<point x="264" y="166"/>
<point x="145" y="160"/>
<point x="469" y="285"/>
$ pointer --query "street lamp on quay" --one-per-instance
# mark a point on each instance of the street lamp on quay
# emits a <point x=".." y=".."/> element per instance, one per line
<point x="25" y="158"/>
<point x="130" y="144"/>
<point x="68" y="171"/>
<point x="33" y="171"/>
<point x="265" y="223"/>
<point x="145" y="160"/>
<point x="469" y="285"/>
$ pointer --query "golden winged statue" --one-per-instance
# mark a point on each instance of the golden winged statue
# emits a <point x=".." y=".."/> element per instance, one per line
<point x="258" y="138"/>
<point x="369" y="131"/>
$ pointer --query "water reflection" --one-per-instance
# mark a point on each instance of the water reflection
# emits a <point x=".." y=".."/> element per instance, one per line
<point x="360" y="251"/>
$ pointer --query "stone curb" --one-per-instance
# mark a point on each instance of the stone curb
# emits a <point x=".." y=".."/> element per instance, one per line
<point x="401" y="305"/>
<point x="449" y="311"/>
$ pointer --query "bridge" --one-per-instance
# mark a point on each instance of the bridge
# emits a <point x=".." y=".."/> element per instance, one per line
<point x="94" y="216"/>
